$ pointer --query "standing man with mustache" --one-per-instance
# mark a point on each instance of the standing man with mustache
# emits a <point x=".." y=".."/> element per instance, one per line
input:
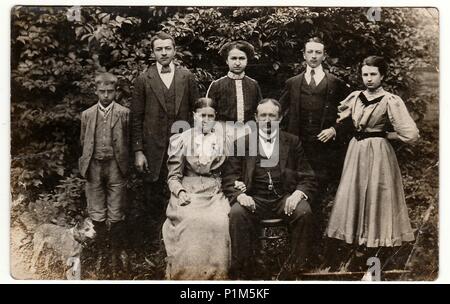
<point x="311" y="99"/>
<point x="163" y="94"/>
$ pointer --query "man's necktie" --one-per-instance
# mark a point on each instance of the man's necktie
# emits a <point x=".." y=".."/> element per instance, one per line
<point x="165" y="69"/>
<point x="312" y="83"/>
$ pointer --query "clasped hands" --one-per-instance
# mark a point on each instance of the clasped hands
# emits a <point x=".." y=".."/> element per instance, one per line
<point x="185" y="198"/>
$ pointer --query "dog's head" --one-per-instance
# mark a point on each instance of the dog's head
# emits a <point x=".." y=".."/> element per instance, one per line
<point x="85" y="230"/>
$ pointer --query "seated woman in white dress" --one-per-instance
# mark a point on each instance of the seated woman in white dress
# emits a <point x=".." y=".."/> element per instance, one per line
<point x="196" y="232"/>
<point x="370" y="207"/>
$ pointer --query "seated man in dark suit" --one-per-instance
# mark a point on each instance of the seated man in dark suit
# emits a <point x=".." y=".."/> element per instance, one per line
<point x="280" y="183"/>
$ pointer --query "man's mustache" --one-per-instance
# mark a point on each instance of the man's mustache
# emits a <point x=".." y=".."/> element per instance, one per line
<point x="269" y="125"/>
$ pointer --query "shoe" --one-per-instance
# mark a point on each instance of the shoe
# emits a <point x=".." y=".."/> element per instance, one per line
<point x="100" y="246"/>
<point x="119" y="257"/>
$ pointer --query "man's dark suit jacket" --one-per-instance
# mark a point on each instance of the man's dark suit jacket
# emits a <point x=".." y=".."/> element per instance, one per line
<point x="296" y="173"/>
<point x="337" y="90"/>
<point x="150" y="129"/>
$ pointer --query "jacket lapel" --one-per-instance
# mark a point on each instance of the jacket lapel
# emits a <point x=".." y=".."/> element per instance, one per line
<point x="178" y="81"/>
<point x="296" y="92"/>
<point x="115" y="115"/>
<point x="284" y="151"/>
<point x="249" y="169"/>
<point x="297" y="87"/>
<point x="250" y="160"/>
<point x="90" y="127"/>
<point x="156" y="85"/>
<point x="331" y="89"/>
<point x="325" y="105"/>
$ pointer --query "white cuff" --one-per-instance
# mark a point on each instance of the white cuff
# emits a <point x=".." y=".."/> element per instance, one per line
<point x="305" y="197"/>
<point x="334" y="130"/>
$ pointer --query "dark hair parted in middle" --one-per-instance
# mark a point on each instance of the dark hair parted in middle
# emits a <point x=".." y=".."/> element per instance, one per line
<point x="162" y="36"/>
<point x="241" y="45"/>
<point x="204" y="102"/>
<point x="315" y="39"/>
<point x="106" y="79"/>
<point x="376" y="61"/>
<point x="273" y="101"/>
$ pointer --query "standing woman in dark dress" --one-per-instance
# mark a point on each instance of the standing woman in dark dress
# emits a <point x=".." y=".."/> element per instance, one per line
<point x="236" y="94"/>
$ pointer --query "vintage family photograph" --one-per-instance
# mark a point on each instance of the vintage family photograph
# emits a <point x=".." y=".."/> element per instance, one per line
<point x="224" y="143"/>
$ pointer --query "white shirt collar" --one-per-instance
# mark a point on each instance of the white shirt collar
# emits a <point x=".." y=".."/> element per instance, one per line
<point x="166" y="78"/>
<point x="267" y="146"/>
<point x="159" y="67"/>
<point x="318" y="70"/>
<point x="266" y="136"/>
<point x="106" y="109"/>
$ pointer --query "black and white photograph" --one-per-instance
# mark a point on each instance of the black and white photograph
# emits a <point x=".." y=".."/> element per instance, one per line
<point x="224" y="143"/>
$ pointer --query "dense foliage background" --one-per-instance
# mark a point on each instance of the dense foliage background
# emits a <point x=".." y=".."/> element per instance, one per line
<point x="55" y="52"/>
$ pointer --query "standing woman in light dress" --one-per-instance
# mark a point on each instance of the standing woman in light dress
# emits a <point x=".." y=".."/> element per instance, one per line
<point x="370" y="207"/>
<point x="196" y="231"/>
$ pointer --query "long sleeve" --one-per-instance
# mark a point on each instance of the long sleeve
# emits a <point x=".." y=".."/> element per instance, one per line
<point x="193" y="91"/>
<point x="83" y="129"/>
<point x="175" y="163"/>
<point x="137" y="114"/>
<point x="128" y="130"/>
<point x="257" y="97"/>
<point x="342" y="90"/>
<point x="307" y="182"/>
<point x="345" y="107"/>
<point x="259" y="92"/>
<point x="344" y="122"/>
<point x="284" y="101"/>
<point x="231" y="172"/>
<point x="400" y="119"/>
<point x="213" y="92"/>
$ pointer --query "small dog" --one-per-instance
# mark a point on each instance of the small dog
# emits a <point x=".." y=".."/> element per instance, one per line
<point x="65" y="242"/>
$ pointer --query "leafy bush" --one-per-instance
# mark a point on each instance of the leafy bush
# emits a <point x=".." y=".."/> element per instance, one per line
<point x="63" y="206"/>
<point x="56" y="51"/>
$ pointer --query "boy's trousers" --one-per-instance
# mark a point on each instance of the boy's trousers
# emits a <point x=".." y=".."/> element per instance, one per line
<point x="105" y="191"/>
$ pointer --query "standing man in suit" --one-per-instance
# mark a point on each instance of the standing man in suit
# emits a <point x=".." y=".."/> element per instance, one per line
<point x="163" y="94"/>
<point x="311" y="100"/>
<point x="281" y="188"/>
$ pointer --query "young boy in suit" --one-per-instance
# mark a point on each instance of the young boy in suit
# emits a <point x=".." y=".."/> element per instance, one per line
<point x="104" y="163"/>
